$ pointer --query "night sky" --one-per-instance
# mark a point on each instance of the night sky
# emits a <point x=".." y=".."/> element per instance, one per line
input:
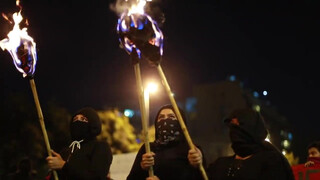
<point x="271" y="46"/>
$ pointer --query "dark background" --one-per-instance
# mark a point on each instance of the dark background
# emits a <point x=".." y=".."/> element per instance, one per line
<point x="270" y="45"/>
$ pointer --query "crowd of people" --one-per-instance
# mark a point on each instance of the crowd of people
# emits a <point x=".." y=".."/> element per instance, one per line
<point x="170" y="156"/>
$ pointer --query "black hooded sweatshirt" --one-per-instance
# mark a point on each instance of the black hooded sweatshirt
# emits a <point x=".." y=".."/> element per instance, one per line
<point x="92" y="161"/>
<point x="248" y="138"/>
<point x="171" y="160"/>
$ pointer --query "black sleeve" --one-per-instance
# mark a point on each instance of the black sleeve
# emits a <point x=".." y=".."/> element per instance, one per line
<point x="98" y="166"/>
<point x="204" y="162"/>
<point x="136" y="172"/>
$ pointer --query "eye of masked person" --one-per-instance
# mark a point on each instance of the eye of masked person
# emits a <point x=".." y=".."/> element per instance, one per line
<point x="80" y="118"/>
<point x="166" y="114"/>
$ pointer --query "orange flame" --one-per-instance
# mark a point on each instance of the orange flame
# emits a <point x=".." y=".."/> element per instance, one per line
<point x="20" y="45"/>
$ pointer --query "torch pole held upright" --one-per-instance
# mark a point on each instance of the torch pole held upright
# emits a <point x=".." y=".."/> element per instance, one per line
<point x="40" y="115"/>
<point x="180" y="119"/>
<point x="143" y="110"/>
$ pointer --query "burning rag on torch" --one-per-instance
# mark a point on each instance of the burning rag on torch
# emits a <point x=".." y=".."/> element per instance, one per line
<point x="140" y="36"/>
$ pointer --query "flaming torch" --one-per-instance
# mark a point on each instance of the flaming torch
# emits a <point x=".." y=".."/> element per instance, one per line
<point x="22" y="49"/>
<point x="142" y="38"/>
<point x="134" y="31"/>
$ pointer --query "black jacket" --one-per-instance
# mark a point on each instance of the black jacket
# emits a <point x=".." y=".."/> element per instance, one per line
<point x="91" y="162"/>
<point x="171" y="163"/>
<point x="264" y="165"/>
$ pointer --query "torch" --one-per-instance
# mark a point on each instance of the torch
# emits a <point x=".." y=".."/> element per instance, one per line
<point x="22" y="49"/>
<point x="135" y="54"/>
<point x="142" y="38"/>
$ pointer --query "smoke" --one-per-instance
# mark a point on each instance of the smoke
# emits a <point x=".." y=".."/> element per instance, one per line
<point x="120" y="6"/>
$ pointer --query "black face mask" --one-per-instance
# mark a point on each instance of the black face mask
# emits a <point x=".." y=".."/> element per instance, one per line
<point x="168" y="130"/>
<point x="79" y="130"/>
<point x="242" y="143"/>
<point x="238" y="136"/>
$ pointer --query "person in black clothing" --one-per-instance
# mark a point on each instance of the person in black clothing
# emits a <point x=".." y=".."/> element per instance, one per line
<point x="254" y="157"/>
<point x="86" y="158"/>
<point x="169" y="152"/>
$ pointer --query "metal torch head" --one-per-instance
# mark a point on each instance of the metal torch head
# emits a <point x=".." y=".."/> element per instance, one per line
<point x="140" y="33"/>
<point x="27" y="57"/>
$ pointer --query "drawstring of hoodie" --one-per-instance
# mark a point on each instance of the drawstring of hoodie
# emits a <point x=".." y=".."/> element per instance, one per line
<point x="75" y="143"/>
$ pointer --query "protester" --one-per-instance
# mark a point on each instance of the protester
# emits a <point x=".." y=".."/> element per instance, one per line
<point x="313" y="154"/>
<point x="169" y="152"/>
<point x="86" y="158"/>
<point x="254" y="157"/>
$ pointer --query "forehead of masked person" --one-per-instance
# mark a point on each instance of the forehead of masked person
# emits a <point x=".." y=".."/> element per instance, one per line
<point x="90" y="116"/>
<point x="249" y="121"/>
<point x="165" y="114"/>
<point x="167" y="111"/>
<point x="80" y="117"/>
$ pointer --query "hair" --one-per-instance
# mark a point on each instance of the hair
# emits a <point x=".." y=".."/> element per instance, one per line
<point x="315" y="144"/>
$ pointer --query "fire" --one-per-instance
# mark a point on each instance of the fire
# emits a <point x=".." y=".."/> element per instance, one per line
<point x="140" y="34"/>
<point x="137" y="8"/>
<point x="21" y="46"/>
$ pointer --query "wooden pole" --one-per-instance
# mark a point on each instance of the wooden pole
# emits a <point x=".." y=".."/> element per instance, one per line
<point x="143" y="110"/>
<point x="180" y="119"/>
<point x="43" y="128"/>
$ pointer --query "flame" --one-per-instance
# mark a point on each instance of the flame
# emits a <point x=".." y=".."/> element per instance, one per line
<point x="140" y="34"/>
<point x="137" y="8"/>
<point x="21" y="46"/>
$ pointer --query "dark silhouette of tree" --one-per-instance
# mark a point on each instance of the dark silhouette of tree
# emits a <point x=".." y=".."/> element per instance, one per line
<point x="21" y="134"/>
<point x="24" y="171"/>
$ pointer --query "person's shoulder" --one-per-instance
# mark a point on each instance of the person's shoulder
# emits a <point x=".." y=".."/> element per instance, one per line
<point x="101" y="143"/>
<point x="271" y="157"/>
<point x="270" y="154"/>
<point x="102" y="146"/>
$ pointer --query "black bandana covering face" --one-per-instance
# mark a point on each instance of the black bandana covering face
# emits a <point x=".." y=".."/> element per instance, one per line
<point x="79" y="130"/>
<point x="169" y="130"/>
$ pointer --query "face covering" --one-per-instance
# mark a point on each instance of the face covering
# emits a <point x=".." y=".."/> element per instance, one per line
<point x="242" y="143"/>
<point x="79" y="130"/>
<point x="168" y="130"/>
<point x="316" y="160"/>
